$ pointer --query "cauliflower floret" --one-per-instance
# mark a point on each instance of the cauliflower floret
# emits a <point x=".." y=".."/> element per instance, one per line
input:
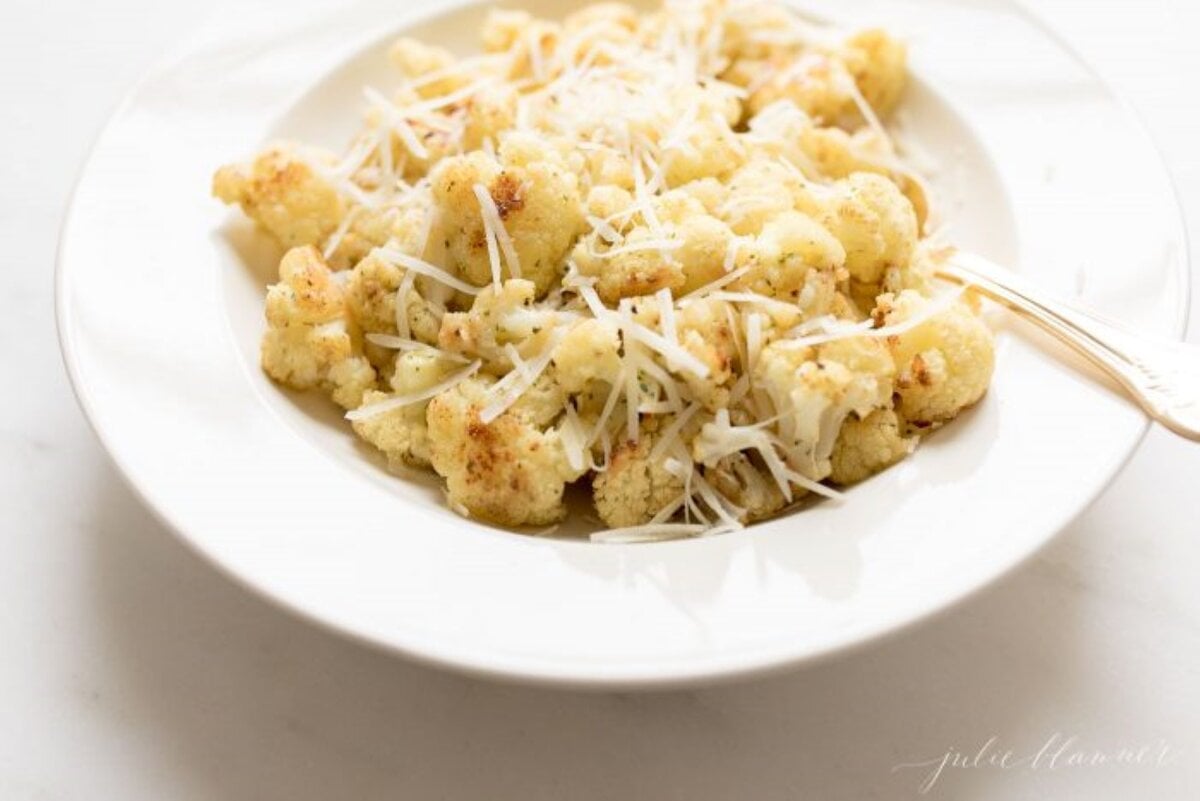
<point x="309" y="342"/>
<point x="784" y="132"/>
<point x="597" y="33"/>
<point x="816" y="82"/>
<point x="282" y="193"/>
<point x="877" y="63"/>
<point x="589" y="352"/>
<point x="697" y="259"/>
<point x="709" y="191"/>
<point x="792" y="256"/>
<point x="407" y="226"/>
<point x="508" y="471"/>
<point x="758" y="30"/>
<point x="416" y="59"/>
<point x="371" y="293"/>
<point x="757" y="193"/>
<point x="917" y="275"/>
<point x="637" y="268"/>
<point x="821" y="82"/>
<point x="524" y="38"/>
<point x="633" y="489"/>
<point x="705" y="331"/>
<point x="874" y="222"/>
<point x="838" y="154"/>
<point x="603" y="167"/>
<point x="502" y="27"/>
<point x="401" y="433"/>
<point x="489" y="114"/>
<point x="537" y="198"/>
<point x="867" y="445"/>
<point x="600" y="19"/>
<point x="435" y="130"/>
<point x="705" y="239"/>
<point x="701" y="144"/>
<point x="815" y="388"/>
<point x="747" y="486"/>
<point x="373" y="283"/>
<point x="834" y="152"/>
<point x="766" y="162"/>
<point x="943" y="365"/>
<point x="497" y="319"/>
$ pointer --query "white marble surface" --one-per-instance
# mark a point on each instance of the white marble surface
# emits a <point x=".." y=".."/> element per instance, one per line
<point x="134" y="671"/>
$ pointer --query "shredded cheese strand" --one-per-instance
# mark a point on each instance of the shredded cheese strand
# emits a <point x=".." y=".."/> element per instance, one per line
<point x="373" y="409"/>
<point x="402" y="259"/>
<point x="496" y="231"/>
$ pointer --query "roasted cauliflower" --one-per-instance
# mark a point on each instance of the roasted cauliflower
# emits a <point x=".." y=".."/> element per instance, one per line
<point x="943" y="365"/>
<point x="311" y="340"/>
<point x="509" y="471"/>
<point x="672" y="258"/>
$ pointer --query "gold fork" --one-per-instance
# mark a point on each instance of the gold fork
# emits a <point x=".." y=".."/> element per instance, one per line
<point x="1162" y="376"/>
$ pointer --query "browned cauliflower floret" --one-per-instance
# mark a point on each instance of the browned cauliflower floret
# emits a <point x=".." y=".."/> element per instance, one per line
<point x="371" y="294"/>
<point x="401" y="433"/>
<point x="814" y="389"/>
<point x="633" y="489"/>
<point x="284" y="194"/>
<point x="874" y="222"/>
<point x="537" y="200"/>
<point x="508" y="471"/>
<point x="309" y="342"/>
<point x="867" y="445"/>
<point x="824" y="80"/>
<point x="943" y="365"/>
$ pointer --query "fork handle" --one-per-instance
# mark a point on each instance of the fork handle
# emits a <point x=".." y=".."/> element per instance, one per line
<point x="1162" y="376"/>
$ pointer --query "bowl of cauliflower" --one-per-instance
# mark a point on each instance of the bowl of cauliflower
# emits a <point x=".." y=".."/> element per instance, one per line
<point x="672" y="259"/>
<point x="599" y="344"/>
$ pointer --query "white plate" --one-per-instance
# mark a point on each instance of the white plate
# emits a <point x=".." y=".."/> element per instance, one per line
<point x="159" y="304"/>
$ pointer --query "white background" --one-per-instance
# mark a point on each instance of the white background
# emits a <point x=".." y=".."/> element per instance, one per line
<point x="131" y="670"/>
